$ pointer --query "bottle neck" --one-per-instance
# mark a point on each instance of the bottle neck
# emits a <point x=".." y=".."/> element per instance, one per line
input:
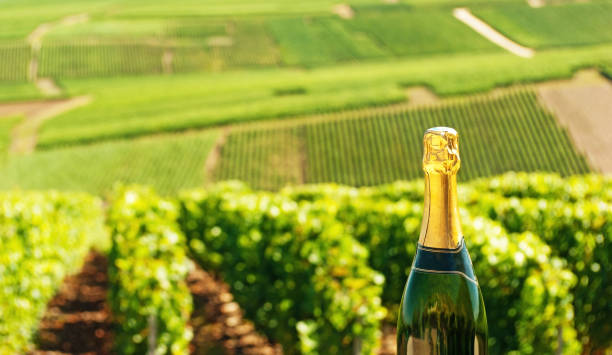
<point x="441" y="226"/>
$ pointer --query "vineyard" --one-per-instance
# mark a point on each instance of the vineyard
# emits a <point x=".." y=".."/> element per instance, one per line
<point x="15" y="59"/>
<point x="167" y="163"/>
<point x="181" y="102"/>
<point x="111" y="44"/>
<point x="275" y="153"/>
<point x="500" y="134"/>
<point x="539" y="244"/>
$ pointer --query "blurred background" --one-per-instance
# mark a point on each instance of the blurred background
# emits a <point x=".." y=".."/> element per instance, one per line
<point x="276" y="93"/>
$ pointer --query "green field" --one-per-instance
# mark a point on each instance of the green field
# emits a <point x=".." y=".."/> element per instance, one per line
<point x="6" y="126"/>
<point x="18" y="91"/>
<point x="405" y="31"/>
<point x="572" y="24"/>
<point x="167" y="163"/>
<point x="114" y="41"/>
<point x="384" y="146"/>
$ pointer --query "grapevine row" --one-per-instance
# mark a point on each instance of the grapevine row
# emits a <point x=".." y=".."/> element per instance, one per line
<point x="506" y="133"/>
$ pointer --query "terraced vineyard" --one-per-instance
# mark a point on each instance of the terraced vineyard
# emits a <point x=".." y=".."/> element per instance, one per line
<point x="509" y="132"/>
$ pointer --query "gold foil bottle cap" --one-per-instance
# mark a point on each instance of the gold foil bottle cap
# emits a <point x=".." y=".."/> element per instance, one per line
<point x="441" y="151"/>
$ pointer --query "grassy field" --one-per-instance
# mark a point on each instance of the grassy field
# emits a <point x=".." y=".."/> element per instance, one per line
<point x="511" y="132"/>
<point x="571" y="24"/>
<point x="167" y="163"/>
<point x="6" y="126"/>
<point x="115" y="41"/>
<point x="319" y="41"/>
<point x="18" y="91"/>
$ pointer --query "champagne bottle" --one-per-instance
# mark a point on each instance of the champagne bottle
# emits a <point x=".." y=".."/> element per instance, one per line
<point x="442" y="311"/>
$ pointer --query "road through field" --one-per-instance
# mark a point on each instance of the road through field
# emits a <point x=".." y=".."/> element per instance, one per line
<point x="584" y="106"/>
<point x="35" y="39"/>
<point x="464" y="15"/>
<point x="25" y="134"/>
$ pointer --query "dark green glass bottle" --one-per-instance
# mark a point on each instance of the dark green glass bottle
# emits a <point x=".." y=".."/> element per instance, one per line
<point x="442" y="311"/>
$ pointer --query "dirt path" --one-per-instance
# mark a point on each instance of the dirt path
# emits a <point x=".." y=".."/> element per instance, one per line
<point x="25" y="134"/>
<point x="167" y="59"/>
<point x="464" y="15"/>
<point x="584" y="105"/>
<point x="217" y="322"/>
<point x="344" y="11"/>
<point x="541" y="3"/>
<point x="35" y="39"/>
<point x="48" y="87"/>
<point x="78" y="318"/>
<point x="420" y="96"/>
<point x="388" y="343"/>
<point x="213" y="157"/>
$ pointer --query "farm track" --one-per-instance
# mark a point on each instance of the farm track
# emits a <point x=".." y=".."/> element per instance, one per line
<point x="35" y="39"/>
<point x="25" y="134"/>
<point x="484" y="29"/>
<point x="583" y="105"/>
<point x="78" y="318"/>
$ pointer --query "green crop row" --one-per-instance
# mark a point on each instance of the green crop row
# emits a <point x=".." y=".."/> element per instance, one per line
<point x="69" y="60"/>
<point x="14" y="61"/>
<point x="43" y="237"/>
<point x="547" y="186"/>
<point x="297" y="273"/>
<point x="499" y="134"/>
<point x="168" y="163"/>
<point x="249" y="45"/>
<point x="148" y="266"/>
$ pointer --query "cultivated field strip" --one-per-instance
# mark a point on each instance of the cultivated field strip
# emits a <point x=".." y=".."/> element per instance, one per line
<point x="14" y="61"/>
<point x="167" y="163"/>
<point x="499" y="133"/>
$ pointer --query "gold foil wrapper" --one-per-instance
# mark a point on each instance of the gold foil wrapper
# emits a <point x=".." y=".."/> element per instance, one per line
<point x="441" y="226"/>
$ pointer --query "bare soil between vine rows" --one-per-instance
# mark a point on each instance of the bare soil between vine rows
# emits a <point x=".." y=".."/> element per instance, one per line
<point x="78" y="319"/>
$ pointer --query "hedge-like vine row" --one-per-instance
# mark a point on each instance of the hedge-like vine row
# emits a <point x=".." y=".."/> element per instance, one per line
<point x="44" y="236"/>
<point x="148" y="266"/>
<point x="579" y="232"/>
<point x="297" y="272"/>
<point x="318" y="267"/>
<point x="526" y="290"/>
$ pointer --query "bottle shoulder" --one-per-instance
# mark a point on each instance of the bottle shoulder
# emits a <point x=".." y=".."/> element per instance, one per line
<point x="442" y="283"/>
